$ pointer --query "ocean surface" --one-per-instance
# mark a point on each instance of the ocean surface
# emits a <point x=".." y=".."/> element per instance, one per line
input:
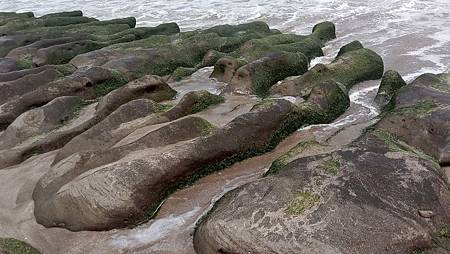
<point x="413" y="36"/>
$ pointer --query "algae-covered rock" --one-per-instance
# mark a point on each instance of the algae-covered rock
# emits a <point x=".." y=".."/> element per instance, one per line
<point x="391" y="82"/>
<point x="81" y="83"/>
<point x="257" y="48"/>
<point x="325" y="31"/>
<point x="307" y="204"/>
<point x="148" y="87"/>
<point x="29" y="50"/>
<point x="108" y="135"/>
<point x="420" y="116"/>
<point x="237" y="30"/>
<point x="12" y="89"/>
<point x="393" y="195"/>
<point x="348" y="69"/>
<point x="354" y="45"/>
<point x="211" y="57"/>
<point x="63" y="53"/>
<point x="258" y="76"/>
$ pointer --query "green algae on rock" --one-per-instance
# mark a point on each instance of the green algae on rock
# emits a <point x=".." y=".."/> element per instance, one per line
<point x="348" y="69"/>
<point x="14" y="246"/>
<point x="391" y="82"/>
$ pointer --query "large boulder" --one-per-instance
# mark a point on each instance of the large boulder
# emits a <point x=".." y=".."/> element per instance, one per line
<point x="325" y="31"/>
<point x="258" y="76"/>
<point x="391" y="82"/>
<point x="254" y="49"/>
<point x="369" y="197"/>
<point x="421" y="115"/>
<point x="348" y="69"/>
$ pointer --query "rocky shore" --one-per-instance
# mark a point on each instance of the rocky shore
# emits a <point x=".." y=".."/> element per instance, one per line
<point x="103" y="122"/>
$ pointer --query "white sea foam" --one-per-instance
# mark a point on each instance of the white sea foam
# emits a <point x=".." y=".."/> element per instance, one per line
<point x="156" y="231"/>
<point x="379" y="25"/>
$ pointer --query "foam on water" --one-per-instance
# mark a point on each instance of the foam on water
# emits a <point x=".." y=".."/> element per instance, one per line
<point x="157" y="230"/>
<point x="413" y="36"/>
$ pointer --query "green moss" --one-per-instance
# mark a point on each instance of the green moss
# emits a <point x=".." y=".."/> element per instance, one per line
<point x="441" y="83"/>
<point x="25" y="63"/>
<point x="330" y="166"/>
<point x="65" y="69"/>
<point x="75" y="110"/>
<point x="282" y="161"/>
<point x="14" y="246"/>
<point x="420" y="109"/>
<point x="34" y="151"/>
<point x="265" y="73"/>
<point x="265" y="103"/>
<point x="182" y="72"/>
<point x="303" y="201"/>
<point x="206" y="126"/>
<point x="418" y="251"/>
<point x="236" y="30"/>
<point x="440" y="241"/>
<point x="161" y="108"/>
<point x="354" y="45"/>
<point x="325" y="31"/>
<point x="63" y="55"/>
<point x="118" y="80"/>
<point x="206" y="101"/>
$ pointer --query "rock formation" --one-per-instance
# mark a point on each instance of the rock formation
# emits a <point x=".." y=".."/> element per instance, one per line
<point x="120" y="117"/>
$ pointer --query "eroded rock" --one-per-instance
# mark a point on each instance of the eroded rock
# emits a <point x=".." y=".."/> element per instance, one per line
<point x="332" y="203"/>
<point x="258" y="76"/>
<point x="391" y="82"/>
<point x="348" y="69"/>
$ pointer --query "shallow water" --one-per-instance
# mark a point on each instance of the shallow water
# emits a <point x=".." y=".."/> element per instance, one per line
<point x="413" y="36"/>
